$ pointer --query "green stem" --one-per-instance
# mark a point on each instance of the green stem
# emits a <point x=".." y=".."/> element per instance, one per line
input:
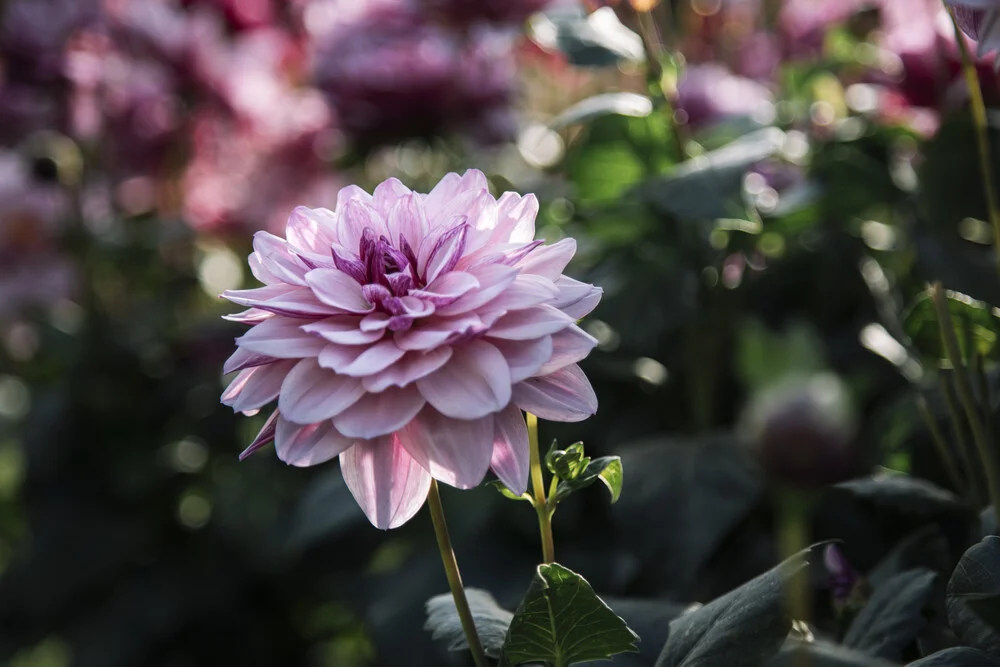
<point x="942" y="445"/>
<point x="454" y="576"/>
<point x="964" y="451"/>
<point x="538" y="485"/>
<point x="793" y="537"/>
<point x="966" y="396"/>
<point x="978" y="108"/>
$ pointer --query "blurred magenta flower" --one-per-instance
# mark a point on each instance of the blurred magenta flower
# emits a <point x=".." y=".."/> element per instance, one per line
<point x="391" y="75"/>
<point x="405" y="333"/>
<point x="980" y="20"/>
<point x="466" y="12"/>
<point x="709" y="93"/>
<point x="842" y="577"/>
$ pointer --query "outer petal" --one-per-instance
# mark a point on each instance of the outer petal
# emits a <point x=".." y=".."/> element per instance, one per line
<point x="510" y="458"/>
<point x="241" y="359"/>
<point x="387" y="194"/>
<point x="281" y="338"/>
<point x="473" y="384"/>
<point x="339" y="290"/>
<point x="311" y="394"/>
<point x="569" y="346"/>
<point x="379" y="414"/>
<point x="516" y="218"/>
<point x="389" y="485"/>
<point x="525" y="357"/>
<point x="265" y="436"/>
<point x="277" y="259"/>
<point x="413" y="366"/>
<point x="313" y="230"/>
<point x="563" y="396"/>
<point x="308" y="445"/>
<point x="343" y="330"/>
<point x="408" y="220"/>
<point x="530" y="323"/>
<point x="526" y="291"/>
<point x="289" y="301"/>
<point x="549" y="260"/>
<point x="455" y="451"/>
<point x="255" y="387"/>
<point x="452" y="186"/>
<point x="576" y="299"/>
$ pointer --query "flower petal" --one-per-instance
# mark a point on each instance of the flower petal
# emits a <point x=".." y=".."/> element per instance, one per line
<point x="280" y="338"/>
<point x="338" y="289"/>
<point x="343" y="330"/>
<point x="290" y="301"/>
<point x="387" y="194"/>
<point x="314" y="230"/>
<point x="516" y="218"/>
<point x="525" y="357"/>
<point x="436" y="331"/>
<point x="336" y="356"/>
<point x="454" y="451"/>
<point x="445" y="251"/>
<point x="549" y="260"/>
<point x="563" y="396"/>
<point x="413" y="366"/>
<point x="376" y="358"/>
<point x="265" y="436"/>
<point x="474" y="383"/>
<point x="447" y="288"/>
<point x="311" y="394"/>
<point x="389" y="485"/>
<point x="493" y="280"/>
<point x="569" y="346"/>
<point x="255" y="387"/>
<point x="308" y="445"/>
<point x="526" y="291"/>
<point x="408" y="220"/>
<point x="249" y="316"/>
<point x="510" y="458"/>
<point x="530" y="323"/>
<point x="243" y="358"/>
<point x="380" y="414"/>
<point x="576" y="299"/>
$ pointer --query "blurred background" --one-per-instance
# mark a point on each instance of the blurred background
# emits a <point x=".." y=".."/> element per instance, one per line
<point x="758" y="185"/>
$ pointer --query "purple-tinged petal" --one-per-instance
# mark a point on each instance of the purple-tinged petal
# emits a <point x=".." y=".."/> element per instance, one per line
<point x="290" y="301"/>
<point x="355" y="218"/>
<point x="576" y="299"/>
<point x="375" y="293"/>
<point x="516" y="219"/>
<point x="412" y="367"/>
<point x="416" y="307"/>
<point x="255" y="387"/>
<point x="343" y="330"/>
<point x="452" y="186"/>
<point x="388" y="193"/>
<point x="376" y="321"/>
<point x="493" y="280"/>
<point x="376" y="358"/>
<point x="249" y="316"/>
<point x="525" y="357"/>
<point x="411" y="257"/>
<point x="400" y="323"/>
<point x="311" y="394"/>
<point x="563" y="396"/>
<point x="389" y="485"/>
<point x="336" y="356"/>
<point x="474" y="383"/>
<point x="482" y="218"/>
<point x="308" y="445"/>
<point x="380" y="414"/>
<point x="549" y="260"/>
<point x="282" y="339"/>
<point x="400" y="283"/>
<point x="445" y="252"/>
<point x="569" y="346"/>
<point x="345" y="263"/>
<point x="435" y="331"/>
<point x="516" y="255"/>
<point x="454" y="451"/>
<point x="257" y="295"/>
<point x="279" y="260"/>
<point x="510" y="459"/>
<point x="447" y="288"/>
<point x="339" y="290"/>
<point x="526" y="291"/>
<point x="530" y="323"/>
<point x="242" y="358"/>
<point x="408" y="220"/>
<point x="265" y="436"/>
<point x="311" y="229"/>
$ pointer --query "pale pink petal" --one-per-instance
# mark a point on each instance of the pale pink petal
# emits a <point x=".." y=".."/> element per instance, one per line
<point x="311" y="394"/>
<point x="249" y="316"/>
<point x="454" y="451"/>
<point x="563" y="396"/>
<point x="273" y="252"/>
<point x="376" y="358"/>
<point x="308" y="445"/>
<point x="313" y="230"/>
<point x="525" y="357"/>
<point x="530" y="323"/>
<point x="510" y="458"/>
<point x="255" y="387"/>
<point x="338" y="289"/>
<point x="437" y="331"/>
<point x="452" y="186"/>
<point x="282" y="339"/>
<point x="493" y="280"/>
<point x="408" y="220"/>
<point x="549" y="260"/>
<point x="379" y="414"/>
<point x="290" y="301"/>
<point x="526" y="291"/>
<point x="412" y="367"/>
<point x="355" y="218"/>
<point x="336" y="356"/>
<point x="343" y="330"/>
<point x="243" y="358"/>
<point x="576" y="299"/>
<point x="376" y="321"/>
<point x="516" y="218"/>
<point x="387" y="194"/>
<point x="447" y="288"/>
<point x="569" y="346"/>
<point x="482" y="219"/>
<point x="474" y="383"/>
<point x="265" y="436"/>
<point x="389" y="485"/>
<point x="414" y="306"/>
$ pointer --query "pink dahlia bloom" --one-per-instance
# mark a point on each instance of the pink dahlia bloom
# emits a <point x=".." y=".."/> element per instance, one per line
<point x="980" y="20"/>
<point x="405" y="332"/>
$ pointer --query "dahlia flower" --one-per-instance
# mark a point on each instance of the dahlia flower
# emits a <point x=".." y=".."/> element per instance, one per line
<point x="465" y="12"/>
<point x="404" y="333"/>
<point x="980" y="20"/>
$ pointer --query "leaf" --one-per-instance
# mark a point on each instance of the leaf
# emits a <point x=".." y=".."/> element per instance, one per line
<point x="567" y="464"/>
<point x="764" y="356"/>
<point x="893" y="616"/>
<point x="561" y="621"/>
<point x="507" y="493"/>
<point x="973" y="320"/>
<point x="607" y="469"/>
<point x="988" y="608"/>
<point x="823" y="654"/>
<point x="710" y="186"/>
<point x="959" y="656"/>
<point x="977" y="576"/>
<point x="910" y="495"/>
<point x="491" y="621"/>
<point x="621" y="104"/>
<point x="741" y="628"/>
<point x="595" y="40"/>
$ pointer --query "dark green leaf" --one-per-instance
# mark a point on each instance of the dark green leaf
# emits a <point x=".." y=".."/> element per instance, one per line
<point x="959" y="656"/>
<point x="893" y="616"/>
<point x="976" y="576"/>
<point x="622" y="104"/>
<point x="507" y="493"/>
<point x="823" y="654"/>
<point x="909" y="495"/>
<point x="973" y="320"/>
<point x="595" y="40"/>
<point x="988" y="608"/>
<point x="561" y="621"/>
<point x="607" y="469"/>
<point x="567" y="464"/>
<point x="742" y="628"/>
<point x="491" y="621"/>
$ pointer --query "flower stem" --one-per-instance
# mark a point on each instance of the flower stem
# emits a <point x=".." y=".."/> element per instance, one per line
<point x="793" y="537"/>
<point x="966" y="396"/>
<point x="978" y="108"/>
<point x="454" y="576"/>
<point x="944" y="451"/>
<point x="538" y="485"/>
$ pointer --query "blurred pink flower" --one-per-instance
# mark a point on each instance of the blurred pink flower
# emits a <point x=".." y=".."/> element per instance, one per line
<point x="466" y="12"/>
<point x="405" y="333"/>
<point x="980" y="20"/>
<point x="709" y="93"/>
<point x="391" y="75"/>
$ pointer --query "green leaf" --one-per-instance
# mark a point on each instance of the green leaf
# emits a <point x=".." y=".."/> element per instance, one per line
<point x="988" y="608"/>
<point x="567" y="464"/>
<point x="607" y="469"/>
<point x="622" y="104"/>
<point x="595" y="40"/>
<point x="764" y="357"/>
<point x="975" y="579"/>
<point x="507" y="493"/>
<point x="974" y="321"/>
<point x="893" y="616"/>
<point x="561" y="621"/>
<point x="491" y="621"/>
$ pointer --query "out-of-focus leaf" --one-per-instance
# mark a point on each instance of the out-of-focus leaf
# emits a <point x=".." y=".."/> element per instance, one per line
<point x="925" y="548"/>
<point x="765" y="356"/>
<point x="742" y="628"/>
<point x="562" y="621"/>
<point x="595" y="40"/>
<point x="893" y="615"/>
<point x="823" y="654"/>
<point x="907" y="494"/>
<point x="622" y="104"/>
<point x="973" y="320"/>
<point x="650" y="619"/>
<point x="491" y="621"/>
<point x="988" y="608"/>
<point x="958" y="656"/>
<point x="976" y="577"/>
<point x="951" y="186"/>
